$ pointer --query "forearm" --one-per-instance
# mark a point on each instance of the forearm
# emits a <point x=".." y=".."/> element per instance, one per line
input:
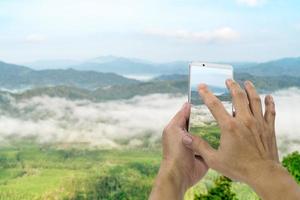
<point x="275" y="183"/>
<point x="167" y="185"/>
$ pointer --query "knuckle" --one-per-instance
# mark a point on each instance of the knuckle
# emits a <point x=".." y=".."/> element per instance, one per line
<point x="231" y="125"/>
<point x="273" y="112"/>
<point x="238" y="93"/>
<point x="249" y="122"/>
<point x="256" y="99"/>
<point x="212" y="103"/>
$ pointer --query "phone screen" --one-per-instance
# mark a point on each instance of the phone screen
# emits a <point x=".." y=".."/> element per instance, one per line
<point x="201" y="121"/>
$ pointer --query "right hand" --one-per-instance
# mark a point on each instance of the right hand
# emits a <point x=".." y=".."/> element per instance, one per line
<point x="248" y="142"/>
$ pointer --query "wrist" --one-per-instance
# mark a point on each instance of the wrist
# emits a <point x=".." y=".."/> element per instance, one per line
<point x="271" y="181"/>
<point x="260" y="172"/>
<point x="170" y="171"/>
<point x="168" y="184"/>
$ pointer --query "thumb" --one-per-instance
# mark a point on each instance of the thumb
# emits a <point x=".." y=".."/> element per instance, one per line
<point x="199" y="146"/>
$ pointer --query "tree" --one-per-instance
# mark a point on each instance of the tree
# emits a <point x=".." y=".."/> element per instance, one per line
<point x="292" y="163"/>
<point x="221" y="191"/>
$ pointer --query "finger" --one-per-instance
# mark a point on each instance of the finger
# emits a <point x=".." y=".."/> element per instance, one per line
<point x="182" y="116"/>
<point x="200" y="147"/>
<point x="214" y="104"/>
<point x="270" y="112"/>
<point x="275" y="149"/>
<point x="239" y="99"/>
<point x="254" y="100"/>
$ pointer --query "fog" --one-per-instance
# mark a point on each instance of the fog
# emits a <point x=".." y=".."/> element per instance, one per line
<point x="120" y="123"/>
<point x="106" y="125"/>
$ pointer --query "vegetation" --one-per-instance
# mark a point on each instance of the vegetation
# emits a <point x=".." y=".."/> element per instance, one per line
<point x="292" y="163"/>
<point x="210" y="133"/>
<point x="221" y="191"/>
<point x="30" y="171"/>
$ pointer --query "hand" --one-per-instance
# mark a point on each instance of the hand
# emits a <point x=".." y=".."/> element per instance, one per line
<point x="248" y="150"/>
<point x="179" y="169"/>
<point x="249" y="137"/>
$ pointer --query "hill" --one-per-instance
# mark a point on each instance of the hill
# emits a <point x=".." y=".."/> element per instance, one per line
<point x="285" y="66"/>
<point x="126" y="91"/>
<point x="126" y="66"/>
<point x="15" y="76"/>
<point x="114" y="92"/>
<point x="263" y="83"/>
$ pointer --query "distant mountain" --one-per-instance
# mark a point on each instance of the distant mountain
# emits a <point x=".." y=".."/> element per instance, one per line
<point x="134" y="66"/>
<point x="15" y="76"/>
<point x="126" y="91"/>
<point x="131" y="66"/>
<point x="269" y="83"/>
<point x="114" y="92"/>
<point x="52" y="64"/>
<point x="285" y="66"/>
<point x="263" y="83"/>
<point x="268" y="76"/>
<point x="111" y="58"/>
<point x="171" y="77"/>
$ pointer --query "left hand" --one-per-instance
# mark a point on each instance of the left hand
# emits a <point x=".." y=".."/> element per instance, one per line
<point x="179" y="166"/>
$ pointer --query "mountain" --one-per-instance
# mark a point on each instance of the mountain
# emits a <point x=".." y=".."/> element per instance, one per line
<point x="126" y="66"/>
<point x="126" y="91"/>
<point x="263" y="83"/>
<point x="133" y="66"/>
<point x="173" y="77"/>
<point x="15" y="76"/>
<point x="52" y="64"/>
<point x="285" y="66"/>
<point x="267" y="76"/>
<point x="114" y="92"/>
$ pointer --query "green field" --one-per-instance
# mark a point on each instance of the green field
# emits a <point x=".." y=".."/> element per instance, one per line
<point x="31" y="171"/>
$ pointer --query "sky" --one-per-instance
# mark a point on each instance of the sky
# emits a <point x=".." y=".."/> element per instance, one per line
<point x="210" y="76"/>
<point x="156" y="30"/>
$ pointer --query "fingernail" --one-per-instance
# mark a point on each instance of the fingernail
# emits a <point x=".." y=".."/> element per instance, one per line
<point x="187" y="140"/>
<point x="271" y="98"/>
<point x="248" y="83"/>
<point x="202" y="86"/>
<point x="229" y="81"/>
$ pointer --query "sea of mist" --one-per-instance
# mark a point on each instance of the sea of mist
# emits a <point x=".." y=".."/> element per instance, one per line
<point x="123" y="123"/>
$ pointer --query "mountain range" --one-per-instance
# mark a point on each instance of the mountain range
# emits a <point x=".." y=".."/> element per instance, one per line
<point x="281" y="67"/>
<point x="102" y="86"/>
<point x="17" y="77"/>
<point x="125" y="66"/>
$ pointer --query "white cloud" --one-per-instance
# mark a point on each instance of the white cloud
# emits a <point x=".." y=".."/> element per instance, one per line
<point x="109" y="124"/>
<point x="104" y="125"/>
<point x="220" y="35"/>
<point x="35" y="38"/>
<point x="251" y="3"/>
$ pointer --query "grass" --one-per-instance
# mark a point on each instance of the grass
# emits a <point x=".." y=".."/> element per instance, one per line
<point x="31" y="171"/>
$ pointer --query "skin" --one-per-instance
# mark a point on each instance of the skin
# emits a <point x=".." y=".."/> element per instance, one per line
<point x="247" y="152"/>
<point x="179" y="169"/>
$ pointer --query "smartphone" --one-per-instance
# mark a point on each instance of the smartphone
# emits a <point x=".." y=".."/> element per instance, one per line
<point x="201" y="121"/>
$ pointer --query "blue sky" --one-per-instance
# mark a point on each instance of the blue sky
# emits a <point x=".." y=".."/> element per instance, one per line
<point x="157" y="30"/>
<point x="211" y="76"/>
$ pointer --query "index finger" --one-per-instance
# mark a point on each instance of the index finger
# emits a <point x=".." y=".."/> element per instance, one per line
<point x="214" y="104"/>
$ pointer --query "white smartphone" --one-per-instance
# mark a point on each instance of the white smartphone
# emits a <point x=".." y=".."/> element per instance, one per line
<point x="201" y="121"/>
